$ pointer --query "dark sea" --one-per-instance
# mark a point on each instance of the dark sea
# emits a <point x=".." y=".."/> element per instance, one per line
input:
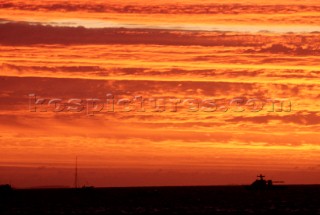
<point x="163" y="200"/>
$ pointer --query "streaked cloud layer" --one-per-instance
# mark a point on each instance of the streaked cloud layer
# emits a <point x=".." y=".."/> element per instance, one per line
<point x="166" y="49"/>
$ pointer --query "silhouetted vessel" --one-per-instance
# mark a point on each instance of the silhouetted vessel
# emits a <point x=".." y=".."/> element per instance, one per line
<point x="262" y="184"/>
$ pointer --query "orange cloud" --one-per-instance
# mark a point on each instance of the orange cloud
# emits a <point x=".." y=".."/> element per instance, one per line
<point x="166" y="49"/>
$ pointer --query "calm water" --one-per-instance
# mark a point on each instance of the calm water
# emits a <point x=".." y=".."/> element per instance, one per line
<point x="163" y="200"/>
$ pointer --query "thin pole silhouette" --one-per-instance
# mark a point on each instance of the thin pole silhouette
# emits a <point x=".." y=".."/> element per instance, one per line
<point x="261" y="176"/>
<point x="76" y="174"/>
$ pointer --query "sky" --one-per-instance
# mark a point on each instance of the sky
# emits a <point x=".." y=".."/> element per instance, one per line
<point x="162" y="93"/>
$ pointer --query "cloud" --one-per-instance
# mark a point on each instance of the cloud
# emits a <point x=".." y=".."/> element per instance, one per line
<point x="159" y="8"/>
<point x="46" y="34"/>
<point x="301" y="118"/>
<point x="288" y="49"/>
<point x="62" y="87"/>
<point x="53" y="69"/>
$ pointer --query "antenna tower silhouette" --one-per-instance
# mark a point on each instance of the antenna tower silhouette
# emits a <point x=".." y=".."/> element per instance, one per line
<point x="76" y="174"/>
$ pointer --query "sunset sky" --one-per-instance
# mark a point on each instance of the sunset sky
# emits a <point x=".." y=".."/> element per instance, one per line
<point x="215" y="50"/>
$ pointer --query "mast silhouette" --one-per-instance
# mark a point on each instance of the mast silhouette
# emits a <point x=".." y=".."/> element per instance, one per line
<point x="76" y="174"/>
<point x="261" y="177"/>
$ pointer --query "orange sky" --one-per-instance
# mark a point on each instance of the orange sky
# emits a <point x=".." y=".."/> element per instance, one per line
<point x="166" y="49"/>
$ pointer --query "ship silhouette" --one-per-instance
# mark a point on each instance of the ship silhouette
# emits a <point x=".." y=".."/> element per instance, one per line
<point x="262" y="184"/>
